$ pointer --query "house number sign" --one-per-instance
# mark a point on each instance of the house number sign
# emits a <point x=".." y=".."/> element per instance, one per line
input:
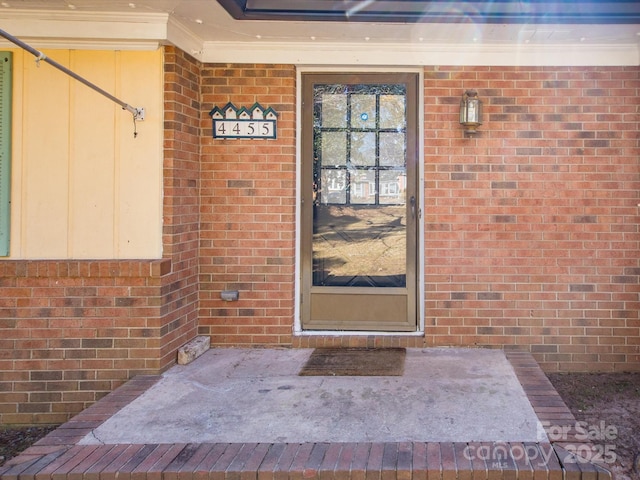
<point x="253" y="122"/>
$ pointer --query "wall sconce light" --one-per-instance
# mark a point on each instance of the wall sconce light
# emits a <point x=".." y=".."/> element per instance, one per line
<point x="470" y="112"/>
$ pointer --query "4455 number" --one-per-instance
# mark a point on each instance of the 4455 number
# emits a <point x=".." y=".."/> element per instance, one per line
<point x="244" y="129"/>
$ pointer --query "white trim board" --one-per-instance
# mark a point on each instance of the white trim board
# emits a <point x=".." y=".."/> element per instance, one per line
<point x="421" y="55"/>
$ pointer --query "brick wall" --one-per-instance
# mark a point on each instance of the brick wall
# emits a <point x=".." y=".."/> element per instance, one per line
<point x="181" y="201"/>
<point x="532" y="236"/>
<point x="72" y="331"/>
<point x="531" y="227"/>
<point x="247" y="237"/>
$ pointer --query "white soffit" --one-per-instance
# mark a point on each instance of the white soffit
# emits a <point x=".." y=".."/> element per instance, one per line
<point x="385" y="54"/>
<point x="78" y="30"/>
<point x="215" y="37"/>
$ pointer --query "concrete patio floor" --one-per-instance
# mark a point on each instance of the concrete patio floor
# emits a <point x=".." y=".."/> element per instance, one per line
<point x="235" y="395"/>
<point x="246" y="414"/>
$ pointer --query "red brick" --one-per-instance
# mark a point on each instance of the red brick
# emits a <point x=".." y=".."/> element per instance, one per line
<point x="218" y="470"/>
<point x="201" y="472"/>
<point x="312" y="467"/>
<point x="300" y="461"/>
<point x="251" y="466"/>
<point x="463" y="462"/>
<point x="375" y="462"/>
<point x="284" y="463"/>
<point x="359" y="461"/>
<point x="237" y="466"/>
<point x="68" y="458"/>
<point x="404" y="466"/>
<point x="448" y="461"/>
<point x="170" y="472"/>
<point x="434" y="461"/>
<point x="328" y="466"/>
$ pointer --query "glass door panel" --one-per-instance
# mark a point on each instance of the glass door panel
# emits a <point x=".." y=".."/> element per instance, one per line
<point x="359" y="219"/>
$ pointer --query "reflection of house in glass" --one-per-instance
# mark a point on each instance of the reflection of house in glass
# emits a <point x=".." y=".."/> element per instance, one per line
<point x="360" y="144"/>
<point x="333" y="187"/>
<point x="392" y="186"/>
<point x="362" y="189"/>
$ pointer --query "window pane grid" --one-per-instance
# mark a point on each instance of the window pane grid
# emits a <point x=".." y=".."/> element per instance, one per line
<point x="365" y="158"/>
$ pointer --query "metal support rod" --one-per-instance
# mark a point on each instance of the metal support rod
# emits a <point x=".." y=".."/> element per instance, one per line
<point x="136" y="112"/>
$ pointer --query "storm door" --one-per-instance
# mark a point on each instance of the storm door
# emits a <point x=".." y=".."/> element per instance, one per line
<point x="359" y="202"/>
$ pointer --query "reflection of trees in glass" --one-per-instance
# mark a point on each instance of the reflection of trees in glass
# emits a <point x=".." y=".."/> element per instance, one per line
<point x="359" y="144"/>
<point x="360" y="245"/>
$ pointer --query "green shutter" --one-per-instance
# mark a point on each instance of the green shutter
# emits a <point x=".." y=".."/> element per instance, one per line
<point x="5" y="151"/>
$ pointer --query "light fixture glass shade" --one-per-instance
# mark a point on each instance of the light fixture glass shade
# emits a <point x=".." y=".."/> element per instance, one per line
<point x="470" y="111"/>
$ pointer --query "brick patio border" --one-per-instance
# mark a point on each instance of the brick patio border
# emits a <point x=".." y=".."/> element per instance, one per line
<point x="57" y="457"/>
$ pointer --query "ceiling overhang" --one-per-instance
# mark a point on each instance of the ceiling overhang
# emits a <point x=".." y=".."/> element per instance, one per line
<point x="439" y="11"/>
<point x="205" y="30"/>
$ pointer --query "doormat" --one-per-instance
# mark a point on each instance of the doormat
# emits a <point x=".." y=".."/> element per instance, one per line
<point x="357" y="362"/>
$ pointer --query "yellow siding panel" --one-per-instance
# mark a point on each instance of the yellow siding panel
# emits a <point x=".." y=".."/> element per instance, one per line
<point x="139" y="173"/>
<point x="82" y="185"/>
<point x="45" y="144"/>
<point x="92" y="159"/>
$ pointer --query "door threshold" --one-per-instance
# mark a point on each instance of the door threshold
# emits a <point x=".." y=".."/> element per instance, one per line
<point x="339" y="333"/>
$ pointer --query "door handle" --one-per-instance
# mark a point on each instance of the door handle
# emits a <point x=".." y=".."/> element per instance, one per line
<point x="412" y="202"/>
